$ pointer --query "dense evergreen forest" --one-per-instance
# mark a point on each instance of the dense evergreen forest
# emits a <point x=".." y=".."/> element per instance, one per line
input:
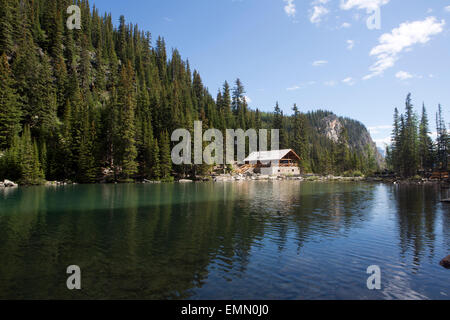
<point x="412" y="151"/>
<point x="100" y="103"/>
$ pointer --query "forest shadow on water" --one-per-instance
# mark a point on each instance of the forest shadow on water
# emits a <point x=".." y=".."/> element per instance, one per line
<point x="249" y="240"/>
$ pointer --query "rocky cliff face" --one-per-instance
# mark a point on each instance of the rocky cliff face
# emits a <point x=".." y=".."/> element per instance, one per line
<point x="331" y="127"/>
<point x="358" y="135"/>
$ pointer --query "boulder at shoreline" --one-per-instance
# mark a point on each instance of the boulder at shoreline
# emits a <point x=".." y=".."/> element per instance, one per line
<point x="445" y="262"/>
<point x="9" y="184"/>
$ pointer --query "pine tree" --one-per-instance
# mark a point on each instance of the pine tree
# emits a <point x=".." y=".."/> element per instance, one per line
<point x="371" y="165"/>
<point x="127" y="105"/>
<point x="34" y="83"/>
<point x="425" y="142"/>
<point x="10" y="113"/>
<point x="410" y="142"/>
<point x="50" y="26"/>
<point x="10" y="165"/>
<point x="161" y="59"/>
<point x="442" y="140"/>
<point x="342" y="152"/>
<point x="155" y="168"/>
<point x="226" y="105"/>
<point x="43" y="158"/>
<point x="6" y="33"/>
<point x="31" y="171"/>
<point x="395" y="149"/>
<point x="239" y="104"/>
<point x="278" y="123"/>
<point x="165" y="157"/>
<point x="147" y="150"/>
<point x="86" y="162"/>
<point x="300" y="139"/>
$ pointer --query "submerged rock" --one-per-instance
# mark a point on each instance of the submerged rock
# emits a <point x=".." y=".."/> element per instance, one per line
<point x="445" y="262"/>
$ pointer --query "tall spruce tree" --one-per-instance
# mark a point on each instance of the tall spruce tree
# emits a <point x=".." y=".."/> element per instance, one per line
<point x="442" y="140"/>
<point x="425" y="142"/>
<point x="300" y="139"/>
<point x="127" y="105"/>
<point x="31" y="170"/>
<point x="342" y="157"/>
<point x="6" y="29"/>
<point x="155" y="171"/>
<point x="165" y="157"/>
<point x="226" y="105"/>
<point x="239" y="104"/>
<point x="10" y="113"/>
<point x="395" y="149"/>
<point x="410" y="142"/>
<point x="278" y="123"/>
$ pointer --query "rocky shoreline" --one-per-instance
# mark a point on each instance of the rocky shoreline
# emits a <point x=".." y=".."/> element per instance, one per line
<point x="259" y="177"/>
<point x="306" y="178"/>
<point x="8" y="184"/>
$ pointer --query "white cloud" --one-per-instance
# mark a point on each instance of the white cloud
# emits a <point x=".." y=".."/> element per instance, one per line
<point x="384" y="126"/>
<point x="362" y="4"/>
<point x="317" y="13"/>
<point x="379" y="129"/>
<point x="289" y="8"/>
<point x="350" y="81"/>
<point x="382" y="143"/>
<point x="331" y="83"/>
<point x="402" y="38"/>
<point x="319" y="63"/>
<point x="447" y="8"/>
<point x="429" y="10"/>
<point x="403" y="75"/>
<point x="350" y="44"/>
<point x="301" y="86"/>
<point x="247" y="99"/>
<point x="345" y="25"/>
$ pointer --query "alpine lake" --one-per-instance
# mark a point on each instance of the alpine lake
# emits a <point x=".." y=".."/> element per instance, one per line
<point x="238" y="240"/>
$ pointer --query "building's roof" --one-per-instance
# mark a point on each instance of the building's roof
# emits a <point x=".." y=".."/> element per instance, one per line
<point x="267" y="155"/>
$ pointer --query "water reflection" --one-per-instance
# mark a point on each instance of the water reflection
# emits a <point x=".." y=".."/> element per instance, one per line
<point x="280" y="240"/>
<point x="416" y="219"/>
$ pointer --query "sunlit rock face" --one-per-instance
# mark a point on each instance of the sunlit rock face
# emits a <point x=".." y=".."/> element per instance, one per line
<point x="332" y="127"/>
<point x="358" y="135"/>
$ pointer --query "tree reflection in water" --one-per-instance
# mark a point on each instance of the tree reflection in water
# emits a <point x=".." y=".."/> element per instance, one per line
<point x="225" y="240"/>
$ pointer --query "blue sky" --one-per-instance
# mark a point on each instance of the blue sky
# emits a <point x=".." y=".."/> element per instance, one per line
<point x="319" y="54"/>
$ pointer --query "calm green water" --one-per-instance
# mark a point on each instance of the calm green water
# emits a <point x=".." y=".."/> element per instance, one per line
<point x="249" y="240"/>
